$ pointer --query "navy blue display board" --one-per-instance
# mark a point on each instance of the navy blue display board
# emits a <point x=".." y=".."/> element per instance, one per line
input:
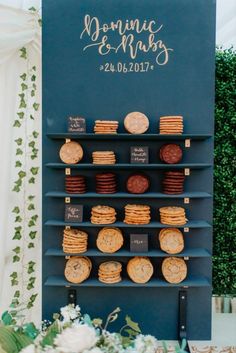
<point x="101" y="60"/>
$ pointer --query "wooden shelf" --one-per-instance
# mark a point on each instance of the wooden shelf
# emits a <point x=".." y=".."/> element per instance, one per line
<point x="190" y="224"/>
<point x="129" y="166"/>
<point x="191" y="281"/>
<point x="126" y="195"/>
<point x="126" y="136"/>
<point x="195" y="252"/>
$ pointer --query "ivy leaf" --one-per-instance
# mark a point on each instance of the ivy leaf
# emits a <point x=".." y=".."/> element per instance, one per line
<point x="133" y="325"/>
<point x="17" y="123"/>
<point x="18" y="164"/>
<point x="35" y="217"/>
<point x="34" y="68"/>
<point x="35" y="134"/>
<point x="22" y="174"/>
<point x="32" y="93"/>
<point x="40" y="22"/>
<point x="23" y="76"/>
<point x="17" y="236"/>
<point x="36" y="106"/>
<point x="31" y="117"/>
<point x="34" y="86"/>
<point x="22" y="104"/>
<point x="21" y="115"/>
<point x="23" y="53"/>
<point x="31" y="144"/>
<point x="33" y="234"/>
<point x="34" y="170"/>
<point x="30" y="245"/>
<point x="18" y="141"/>
<point x="31" y="207"/>
<point x="31" y="197"/>
<point x="32" y="8"/>
<point x="16" y="188"/>
<point x="18" y="228"/>
<point x="31" y="223"/>
<point x="21" y="95"/>
<point x="24" y="86"/>
<point x="16" y="250"/>
<point x="33" y="78"/>
<point x="32" y="180"/>
<point x="18" y="219"/>
<point x="16" y="258"/>
<point x="16" y="209"/>
<point x="17" y="294"/>
<point x="19" y="151"/>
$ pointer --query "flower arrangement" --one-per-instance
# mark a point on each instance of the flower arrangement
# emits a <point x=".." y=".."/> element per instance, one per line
<point x="72" y="332"/>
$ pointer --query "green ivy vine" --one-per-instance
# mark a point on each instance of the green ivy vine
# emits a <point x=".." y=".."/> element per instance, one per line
<point x="25" y="216"/>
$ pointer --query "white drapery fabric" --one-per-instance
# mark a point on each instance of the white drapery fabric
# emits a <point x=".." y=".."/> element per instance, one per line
<point x="20" y="258"/>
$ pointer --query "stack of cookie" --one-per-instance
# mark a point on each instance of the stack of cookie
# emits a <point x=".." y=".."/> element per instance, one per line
<point x="137" y="184"/>
<point x="171" y="240"/>
<point x="104" y="157"/>
<point x="171" y="153"/>
<point x="173" y="215"/>
<point x="140" y="269"/>
<point x="75" y="241"/>
<point x="173" y="182"/>
<point x="78" y="269"/>
<point x="174" y="269"/>
<point x="71" y="152"/>
<point x="75" y="184"/>
<point x="103" y="215"/>
<point x="106" y="127"/>
<point x="110" y="272"/>
<point x="106" y="183"/>
<point x="137" y="214"/>
<point x="172" y="125"/>
<point x="110" y="240"/>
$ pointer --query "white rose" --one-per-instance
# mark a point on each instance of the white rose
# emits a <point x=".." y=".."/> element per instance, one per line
<point x="76" y="339"/>
<point x="145" y="344"/>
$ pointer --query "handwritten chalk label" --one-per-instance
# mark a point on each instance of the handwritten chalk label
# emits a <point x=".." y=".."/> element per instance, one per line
<point x="139" y="242"/>
<point x="139" y="154"/>
<point x="73" y="213"/>
<point x="76" y="124"/>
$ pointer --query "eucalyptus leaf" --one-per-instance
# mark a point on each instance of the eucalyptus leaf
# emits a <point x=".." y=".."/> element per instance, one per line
<point x="132" y="324"/>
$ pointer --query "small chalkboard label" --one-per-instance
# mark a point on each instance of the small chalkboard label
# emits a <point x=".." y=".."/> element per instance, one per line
<point x="76" y="124"/>
<point x="139" y="242"/>
<point x="139" y="154"/>
<point x="73" y="213"/>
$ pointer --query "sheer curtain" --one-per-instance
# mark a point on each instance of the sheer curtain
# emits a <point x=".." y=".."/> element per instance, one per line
<point x="20" y="135"/>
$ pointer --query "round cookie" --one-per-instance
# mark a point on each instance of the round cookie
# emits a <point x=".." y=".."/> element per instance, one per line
<point x="171" y="240"/>
<point x="136" y="123"/>
<point x="109" y="240"/>
<point x="171" y="153"/>
<point x="137" y="184"/>
<point x="174" y="269"/>
<point x="140" y="269"/>
<point x="71" y="152"/>
<point x="78" y="269"/>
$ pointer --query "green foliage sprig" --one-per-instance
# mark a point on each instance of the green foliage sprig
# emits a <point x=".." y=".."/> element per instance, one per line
<point x="224" y="251"/>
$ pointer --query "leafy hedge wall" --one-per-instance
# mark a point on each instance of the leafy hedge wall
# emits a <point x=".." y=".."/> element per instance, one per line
<point x="224" y="248"/>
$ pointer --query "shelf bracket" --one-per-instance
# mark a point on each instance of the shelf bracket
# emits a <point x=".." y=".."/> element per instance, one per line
<point x="71" y="296"/>
<point x="182" y="314"/>
<point x="186" y="200"/>
<point x="186" y="230"/>
<point x="68" y="140"/>
<point x="67" y="199"/>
